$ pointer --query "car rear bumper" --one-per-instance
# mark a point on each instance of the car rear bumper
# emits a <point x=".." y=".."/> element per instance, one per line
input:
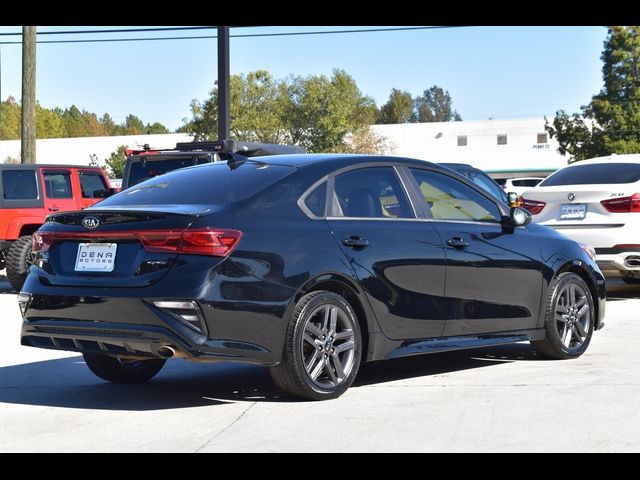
<point x="130" y="327"/>
<point x="135" y="341"/>
<point x="609" y="260"/>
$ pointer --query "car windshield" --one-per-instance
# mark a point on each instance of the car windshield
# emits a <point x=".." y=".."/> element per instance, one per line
<point x="595" y="173"/>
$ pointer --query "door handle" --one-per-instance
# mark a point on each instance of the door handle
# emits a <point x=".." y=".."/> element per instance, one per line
<point x="53" y="209"/>
<point x="457" y="242"/>
<point x="355" y="241"/>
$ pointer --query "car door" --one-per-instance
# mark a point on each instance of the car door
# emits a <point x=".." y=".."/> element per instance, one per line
<point x="58" y="191"/>
<point x="93" y="187"/>
<point x="494" y="274"/>
<point x="398" y="258"/>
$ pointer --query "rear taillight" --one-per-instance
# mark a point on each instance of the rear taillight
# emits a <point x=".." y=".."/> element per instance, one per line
<point x="623" y="204"/>
<point x="197" y="241"/>
<point x="533" y="206"/>
<point x="40" y="242"/>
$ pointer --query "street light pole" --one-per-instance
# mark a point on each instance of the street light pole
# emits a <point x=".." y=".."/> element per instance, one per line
<point x="223" y="83"/>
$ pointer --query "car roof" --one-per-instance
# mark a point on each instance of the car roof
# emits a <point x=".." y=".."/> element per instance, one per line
<point x="613" y="158"/>
<point x="335" y="159"/>
<point x="24" y="166"/>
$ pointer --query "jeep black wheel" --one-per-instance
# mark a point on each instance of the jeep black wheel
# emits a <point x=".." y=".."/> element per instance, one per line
<point x="18" y="259"/>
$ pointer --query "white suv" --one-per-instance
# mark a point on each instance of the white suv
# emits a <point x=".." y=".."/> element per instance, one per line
<point x="595" y="202"/>
<point x="519" y="185"/>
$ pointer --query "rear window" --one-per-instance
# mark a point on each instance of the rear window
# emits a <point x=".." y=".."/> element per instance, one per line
<point x="151" y="166"/>
<point x="596" y="173"/>
<point x="214" y="183"/>
<point x="19" y="185"/>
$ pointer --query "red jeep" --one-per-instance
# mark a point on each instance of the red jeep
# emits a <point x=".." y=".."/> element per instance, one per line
<point x="28" y="193"/>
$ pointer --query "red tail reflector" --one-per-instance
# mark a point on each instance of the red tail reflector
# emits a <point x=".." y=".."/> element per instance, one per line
<point x="623" y="204"/>
<point x="197" y="241"/>
<point x="533" y="206"/>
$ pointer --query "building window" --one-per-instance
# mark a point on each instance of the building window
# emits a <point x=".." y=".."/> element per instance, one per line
<point x="502" y="139"/>
<point x="462" y="140"/>
<point x="542" y="138"/>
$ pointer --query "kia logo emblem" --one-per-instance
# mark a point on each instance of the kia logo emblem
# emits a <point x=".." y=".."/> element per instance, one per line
<point x="90" y="222"/>
<point x="571" y="196"/>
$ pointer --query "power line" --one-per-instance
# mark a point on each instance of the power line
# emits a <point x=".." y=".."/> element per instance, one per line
<point x="113" y="30"/>
<point x="248" y="35"/>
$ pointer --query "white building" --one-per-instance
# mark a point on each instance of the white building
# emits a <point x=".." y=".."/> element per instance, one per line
<point x="79" y="151"/>
<point x="504" y="148"/>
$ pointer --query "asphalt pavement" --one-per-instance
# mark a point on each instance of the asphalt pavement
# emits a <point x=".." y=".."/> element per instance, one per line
<point x="491" y="399"/>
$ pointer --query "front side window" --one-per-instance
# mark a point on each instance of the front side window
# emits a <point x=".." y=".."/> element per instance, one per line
<point x="92" y="185"/>
<point x="370" y="193"/>
<point x="57" y="184"/>
<point x="19" y="185"/>
<point x="450" y="199"/>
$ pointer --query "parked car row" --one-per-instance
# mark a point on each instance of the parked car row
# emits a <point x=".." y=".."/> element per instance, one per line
<point x="309" y="264"/>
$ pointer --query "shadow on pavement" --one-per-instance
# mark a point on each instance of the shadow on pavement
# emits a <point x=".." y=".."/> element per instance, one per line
<point x="5" y="286"/>
<point x="68" y="383"/>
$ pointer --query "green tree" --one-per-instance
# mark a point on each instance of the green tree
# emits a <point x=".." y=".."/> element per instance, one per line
<point x="48" y="123"/>
<point x="435" y="105"/>
<point x="10" y="119"/>
<point x="74" y="122"/>
<point x="610" y="123"/>
<point x="114" y="165"/>
<point x="398" y="109"/>
<point x="316" y="112"/>
<point x="108" y="125"/>
<point x="155" y="128"/>
<point x="133" y="126"/>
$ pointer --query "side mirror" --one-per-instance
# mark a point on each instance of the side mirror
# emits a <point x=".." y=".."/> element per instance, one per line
<point x="519" y="217"/>
<point x="514" y="199"/>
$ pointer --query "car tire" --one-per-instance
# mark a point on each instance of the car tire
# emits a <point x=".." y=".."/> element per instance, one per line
<point x="322" y="349"/>
<point x="18" y="261"/>
<point x="117" y="370"/>
<point x="569" y="319"/>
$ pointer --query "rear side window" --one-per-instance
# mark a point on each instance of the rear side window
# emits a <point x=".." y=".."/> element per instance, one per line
<point x="370" y="193"/>
<point x="151" y="166"/>
<point x="315" y="201"/>
<point x="57" y="185"/>
<point x="214" y="183"/>
<point x="604" y="173"/>
<point x="92" y="185"/>
<point x="526" y="183"/>
<point x="19" y="185"/>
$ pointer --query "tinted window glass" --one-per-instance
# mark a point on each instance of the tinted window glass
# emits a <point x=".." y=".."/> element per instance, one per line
<point x="57" y="185"/>
<point x="214" y="183"/>
<point x="370" y="193"/>
<point x="525" y="183"/>
<point x="485" y="182"/>
<point x="90" y="184"/>
<point x="595" y="173"/>
<point x="19" y="185"/>
<point x="315" y="201"/>
<point x="149" y="167"/>
<point x="450" y="199"/>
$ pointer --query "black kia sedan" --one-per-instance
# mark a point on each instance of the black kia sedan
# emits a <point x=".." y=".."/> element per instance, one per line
<point x="309" y="264"/>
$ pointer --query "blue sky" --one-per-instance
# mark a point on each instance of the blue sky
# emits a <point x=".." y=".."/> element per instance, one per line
<point x="491" y="72"/>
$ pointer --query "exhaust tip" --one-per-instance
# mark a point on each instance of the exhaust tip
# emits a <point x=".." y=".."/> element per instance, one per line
<point x="632" y="261"/>
<point x="166" y="351"/>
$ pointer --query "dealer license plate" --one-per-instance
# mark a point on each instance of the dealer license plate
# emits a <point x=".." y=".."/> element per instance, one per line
<point x="96" y="257"/>
<point x="573" y="211"/>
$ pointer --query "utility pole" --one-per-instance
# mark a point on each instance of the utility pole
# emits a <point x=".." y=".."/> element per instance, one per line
<point x="28" y="151"/>
<point x="223" y="83"/>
